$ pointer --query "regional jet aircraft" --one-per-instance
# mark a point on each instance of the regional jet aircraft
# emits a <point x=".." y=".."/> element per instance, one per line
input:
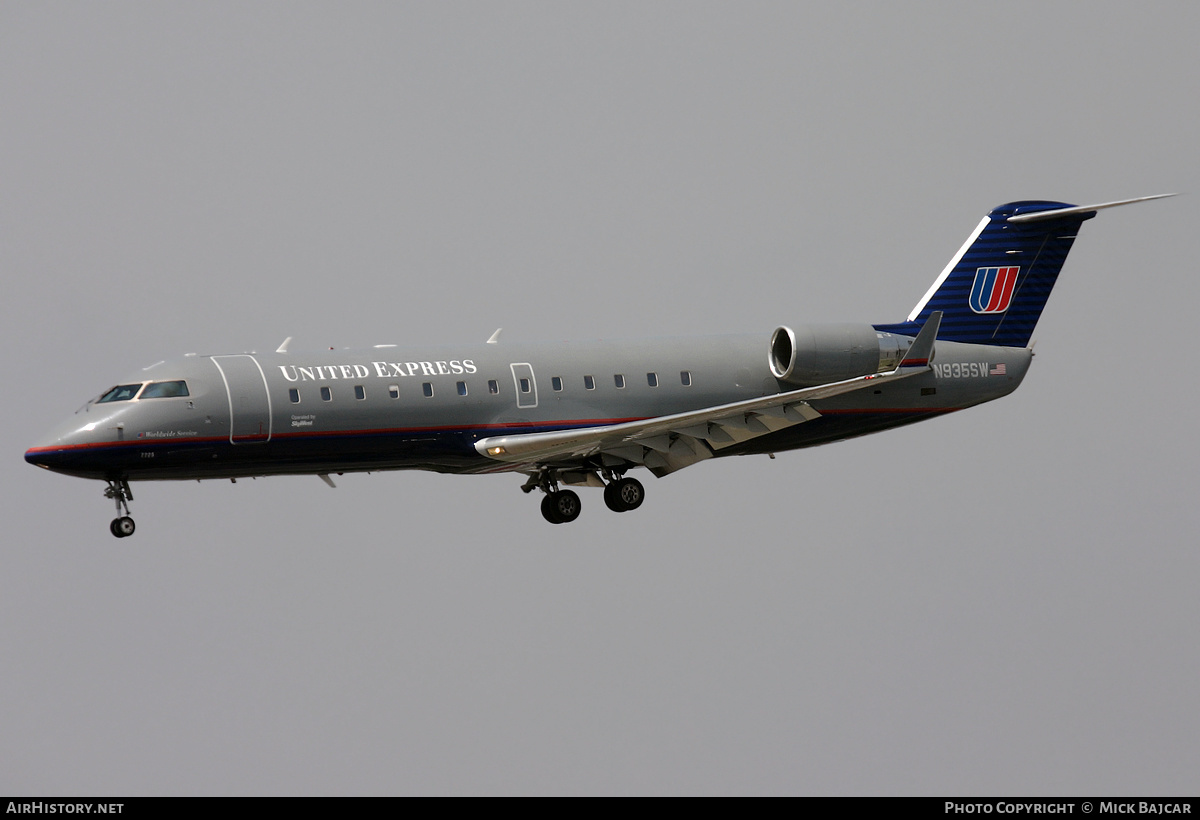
<point x="584" y="413"/>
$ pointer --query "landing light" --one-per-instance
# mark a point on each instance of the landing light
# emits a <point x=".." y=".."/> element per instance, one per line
<point x="496" y="451"/>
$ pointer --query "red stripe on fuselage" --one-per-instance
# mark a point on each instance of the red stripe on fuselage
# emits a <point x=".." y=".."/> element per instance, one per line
<point x="139" y="442"/>
<point x="147" y="442"/>
<point x="540" y="426"/>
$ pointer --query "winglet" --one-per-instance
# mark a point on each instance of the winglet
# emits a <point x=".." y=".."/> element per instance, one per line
<point x="283" y="347"/>
<point x="920" y="353"/>
<point x="495" y="338"/>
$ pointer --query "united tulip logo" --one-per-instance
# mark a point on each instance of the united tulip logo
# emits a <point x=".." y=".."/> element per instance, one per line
<point x="992" y="291"/>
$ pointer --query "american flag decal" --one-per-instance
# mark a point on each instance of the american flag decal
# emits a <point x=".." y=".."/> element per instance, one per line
<point x="999" y="370"/>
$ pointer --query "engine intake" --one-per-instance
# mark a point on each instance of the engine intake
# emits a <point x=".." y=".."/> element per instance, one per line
<point x="819" y="354"/>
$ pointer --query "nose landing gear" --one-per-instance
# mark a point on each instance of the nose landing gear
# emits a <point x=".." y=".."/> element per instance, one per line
<point x="122" y="526"/>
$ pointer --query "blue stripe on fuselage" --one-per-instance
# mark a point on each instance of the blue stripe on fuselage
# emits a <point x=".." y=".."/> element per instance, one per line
<point x="439" y="449"/>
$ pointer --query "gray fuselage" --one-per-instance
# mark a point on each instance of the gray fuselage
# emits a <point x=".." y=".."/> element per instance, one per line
<point x="390" y="407"/>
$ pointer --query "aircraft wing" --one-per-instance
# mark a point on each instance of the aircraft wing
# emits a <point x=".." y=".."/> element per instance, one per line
<point x="665" y="444"/>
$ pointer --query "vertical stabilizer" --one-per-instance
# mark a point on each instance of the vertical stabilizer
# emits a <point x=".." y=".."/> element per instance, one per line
<point x="995" y="288"/>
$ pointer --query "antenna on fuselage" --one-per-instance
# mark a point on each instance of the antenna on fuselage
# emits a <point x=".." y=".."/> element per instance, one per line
<point x="283" y="347"/>
<point x="495" y="338"/>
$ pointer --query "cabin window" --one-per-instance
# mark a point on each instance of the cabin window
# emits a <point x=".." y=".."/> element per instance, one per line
<point x="326" y="394"/>
<point x="394" y="391"/>
<point x="165" y="390"/>
<point x="462" y="388"/>
<point x="493" y="387"/>
<point x="524" y="385"/>
<point x="685" y="378"/>
<point x="589" y="382"/>
<point x="652" y="379"/>
<point x="619" y="380"/>
<point x="556" y="383"/>
<point x="294" y="395"/>
<point x="122" y="392"/>
<point x="427" y="389"/>
<point x="360" y="392"/>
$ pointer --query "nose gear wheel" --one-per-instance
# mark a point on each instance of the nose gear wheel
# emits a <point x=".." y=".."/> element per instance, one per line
<point x="122" y="526"/>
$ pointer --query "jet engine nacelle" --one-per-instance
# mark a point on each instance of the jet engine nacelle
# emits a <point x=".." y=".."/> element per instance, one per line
<point x="819" y="354"/>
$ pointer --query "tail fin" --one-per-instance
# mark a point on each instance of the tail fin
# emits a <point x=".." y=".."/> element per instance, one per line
<point x="995" y="288"/>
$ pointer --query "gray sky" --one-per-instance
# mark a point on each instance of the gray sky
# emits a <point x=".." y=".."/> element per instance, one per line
<point x="1000" y="601"/>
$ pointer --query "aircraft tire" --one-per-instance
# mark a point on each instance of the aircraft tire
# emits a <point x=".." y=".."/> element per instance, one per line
<point x="627" y="494"/>
<point x="122" y="527"/>
<point x="548" y="511"/>
<point x="561" y="507"/>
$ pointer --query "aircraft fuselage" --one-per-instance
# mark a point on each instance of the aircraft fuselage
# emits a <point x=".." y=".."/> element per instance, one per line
<point x="388" y="408"/>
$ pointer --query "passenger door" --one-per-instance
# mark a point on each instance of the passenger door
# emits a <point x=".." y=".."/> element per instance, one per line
<point x="249" y="401"/>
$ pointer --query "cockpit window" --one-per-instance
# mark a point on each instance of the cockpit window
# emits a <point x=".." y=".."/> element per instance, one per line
<point x="164" y="390"/>
<point x="122" y="392"/>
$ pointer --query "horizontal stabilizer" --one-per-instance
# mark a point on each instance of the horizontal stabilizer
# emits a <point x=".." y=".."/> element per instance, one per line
<point x="1074" y="210"/>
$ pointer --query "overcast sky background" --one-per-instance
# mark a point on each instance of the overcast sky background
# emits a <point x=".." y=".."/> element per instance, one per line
<point x="999" y="601"/>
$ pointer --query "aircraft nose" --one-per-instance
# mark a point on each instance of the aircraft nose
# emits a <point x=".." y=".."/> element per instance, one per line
<point x="49" y="453"/>
<point x="64" y="449"/>
<point x="37" y="456"/>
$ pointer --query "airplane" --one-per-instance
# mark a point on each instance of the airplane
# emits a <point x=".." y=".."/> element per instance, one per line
<point x="567" y="414"/>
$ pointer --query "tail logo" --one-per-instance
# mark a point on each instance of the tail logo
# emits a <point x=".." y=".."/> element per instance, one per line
<point x="993" y="289"/>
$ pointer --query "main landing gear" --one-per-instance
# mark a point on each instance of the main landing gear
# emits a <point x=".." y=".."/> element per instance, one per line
<point x="122" y="526"/>
<point x="624" y="494"/>
<point x="563" y="506"/>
